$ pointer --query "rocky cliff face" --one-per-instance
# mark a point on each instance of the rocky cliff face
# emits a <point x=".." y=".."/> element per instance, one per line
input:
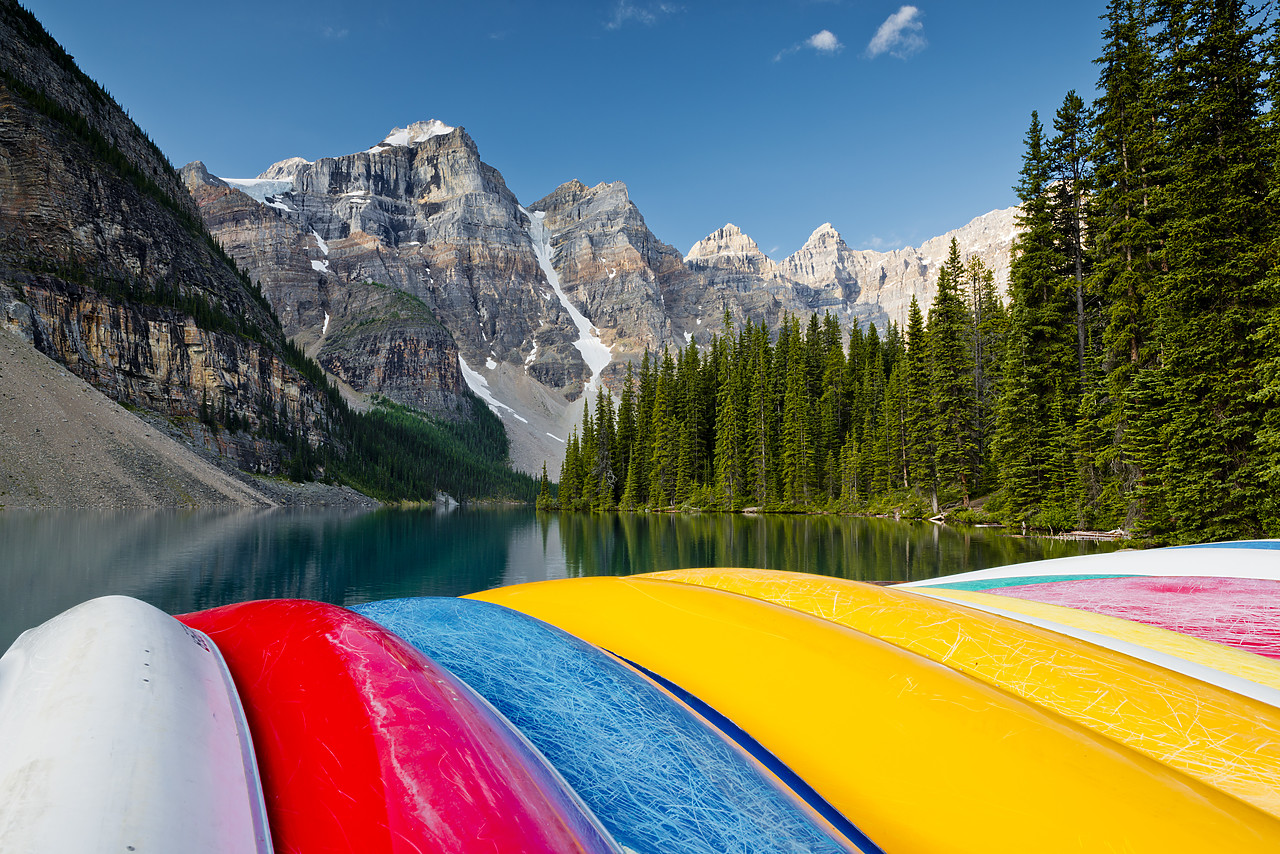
<point x="341" y="245"/>
<point x="106" y="268"/>
<point x="610" y="264"/>
<point x="422" y="215"/>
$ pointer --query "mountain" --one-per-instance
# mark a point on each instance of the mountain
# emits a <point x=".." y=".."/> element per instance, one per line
<point x="542" y="301"/>
<point x="108" y="271"/>
<point x="106" y="267"/>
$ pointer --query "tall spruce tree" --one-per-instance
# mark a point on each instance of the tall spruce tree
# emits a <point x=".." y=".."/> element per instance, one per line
<point x="1041" y="365"/>
<point x="951" y="384"/>
<point x="1130" y="160"/>
<point x="1196" y="439"/>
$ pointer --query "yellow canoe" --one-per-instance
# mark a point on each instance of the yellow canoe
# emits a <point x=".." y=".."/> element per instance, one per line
<point x="1219" y="737"/>
<point x="921" y="757"/>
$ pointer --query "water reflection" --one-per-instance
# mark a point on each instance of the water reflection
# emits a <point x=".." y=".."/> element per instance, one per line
<point x="185" y="561"/>
<point x="860" y="549"/>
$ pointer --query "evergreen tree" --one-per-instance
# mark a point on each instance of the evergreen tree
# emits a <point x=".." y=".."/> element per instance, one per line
<point x="951" y="384"/>
<point x="1197" y="438"/>
<point x="626" y="438"/>
<point x="919" y="450"/>
<point x="731" y="411"/>
<point x="1071" y="172"/>
<point x="665" y="459"/>
<point x="544" y="501"/>
<point x="1041" y="361"/>
<point x="761" y="423"/>
<point x="570" y="475"/>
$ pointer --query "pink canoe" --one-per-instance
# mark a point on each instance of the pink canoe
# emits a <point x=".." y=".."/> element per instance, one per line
<point x="1239" y="612"/>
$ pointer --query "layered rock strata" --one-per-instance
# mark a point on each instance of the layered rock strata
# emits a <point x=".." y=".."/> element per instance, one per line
<point x="421" y="214"/>
<point x="106" y="268"/>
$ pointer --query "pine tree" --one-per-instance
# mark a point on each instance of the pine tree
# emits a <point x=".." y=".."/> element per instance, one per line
<point x="1041" y="362"/>
<point x="665" y="430"/>
<point x="544" y="501"/>
<point x="1268" y="338"/>
<point x="761" y="421"/>
<point x="919" y="450"/>
<point x="730" y="421"/>
<point x="797" y="433"/>
<point x="603" y="473"/>
<point x="1070" y="167"/>
<point x="570" y="476"/>
<point x="626" y="438"/>
<point x="1197" y="443"/>
<point x="951" y="383"/>
<point x="1130" y="166"/>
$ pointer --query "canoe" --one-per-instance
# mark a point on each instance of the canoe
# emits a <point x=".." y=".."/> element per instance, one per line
<point x="1244" y="559"/>
<point x="123" y="732"/>
<point x="1243" y="613"/>
<point x="365" y="745"/>
<point x="1215" y="735"/>
<point x="657" y="776"/>
<point x="922" y="758"/>
<point x="1240" y="672"/>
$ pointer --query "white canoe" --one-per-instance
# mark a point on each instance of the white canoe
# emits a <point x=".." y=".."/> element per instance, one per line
<point x="121" y="730"/>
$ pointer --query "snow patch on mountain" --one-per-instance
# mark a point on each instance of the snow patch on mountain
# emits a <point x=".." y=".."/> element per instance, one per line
<point x="480" y="386"/>
<point x="412" y="135"/>
<point x="594" y="351"/>
<point x="259" y="189"/>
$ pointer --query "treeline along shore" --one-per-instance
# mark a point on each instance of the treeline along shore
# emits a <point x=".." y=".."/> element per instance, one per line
<point x="1131" y="380"/>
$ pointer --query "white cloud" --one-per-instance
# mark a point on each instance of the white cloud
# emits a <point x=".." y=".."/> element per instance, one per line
<point x="823" y="41"/>
<point x="900" y="35"/>
<point x="647" y="13"/>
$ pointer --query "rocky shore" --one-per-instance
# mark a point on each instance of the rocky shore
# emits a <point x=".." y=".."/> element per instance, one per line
<point x="63" y="444"/>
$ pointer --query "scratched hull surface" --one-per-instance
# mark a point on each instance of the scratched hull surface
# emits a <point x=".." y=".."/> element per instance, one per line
<point x="122" y="732"/>
<point x="1214" y="664"/>
<point x="367" y="746"/>
<point x="883" y="728"/>
<point x="1215" y="735"/>
<point x="657" y="776"/>
<point x="1247" y="559"/>
<point x="1243" y="613"/>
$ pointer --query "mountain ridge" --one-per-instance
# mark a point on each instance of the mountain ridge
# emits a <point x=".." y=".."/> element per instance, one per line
<point x="428" y="217"/>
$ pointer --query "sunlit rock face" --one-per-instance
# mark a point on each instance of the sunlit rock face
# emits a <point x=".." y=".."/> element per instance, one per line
<point x="105" y="268"/>
<point x="390" y="263"/>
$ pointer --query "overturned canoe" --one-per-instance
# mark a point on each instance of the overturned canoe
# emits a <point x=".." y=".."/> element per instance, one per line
<point x="878" y="730"/>
<point x="367" y="746"/>
<point x="123" y="732"/>
<point x="659" y="778"/>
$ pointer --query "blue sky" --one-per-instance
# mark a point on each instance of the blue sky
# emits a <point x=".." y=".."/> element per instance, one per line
<point x="893" y="122"/>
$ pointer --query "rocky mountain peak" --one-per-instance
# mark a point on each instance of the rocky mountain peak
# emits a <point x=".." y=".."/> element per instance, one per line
<point x="729" y="247"/>
<point x="824" y="235"/>
<point x="413" y="134"/>
<point x="194" y="175"/>
<point x="285" y="170"/>
<point x="822" y="262"/>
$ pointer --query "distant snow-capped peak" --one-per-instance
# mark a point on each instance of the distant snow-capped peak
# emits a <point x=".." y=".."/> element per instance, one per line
<point x="413" y="134"/>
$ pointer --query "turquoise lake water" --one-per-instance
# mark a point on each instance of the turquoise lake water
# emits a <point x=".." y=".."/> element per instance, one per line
<point x="187" y="561"/>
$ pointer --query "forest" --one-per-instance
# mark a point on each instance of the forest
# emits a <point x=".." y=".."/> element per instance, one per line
<point x="1130" y="380"/>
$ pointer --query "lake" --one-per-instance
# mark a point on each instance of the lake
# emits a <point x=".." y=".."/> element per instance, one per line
<point x="185" y="561"/>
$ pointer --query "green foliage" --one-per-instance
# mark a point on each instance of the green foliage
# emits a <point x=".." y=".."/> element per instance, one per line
<point x="396" y="453"/>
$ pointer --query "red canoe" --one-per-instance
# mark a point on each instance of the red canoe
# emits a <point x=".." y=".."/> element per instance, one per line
<point x="365" y="745"/>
